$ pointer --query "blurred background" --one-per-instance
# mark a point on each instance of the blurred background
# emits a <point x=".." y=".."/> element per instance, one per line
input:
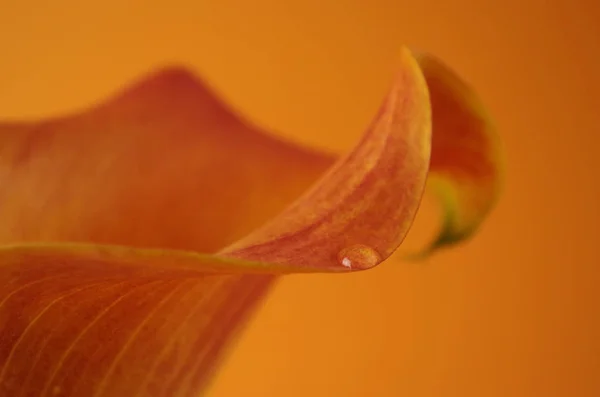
<point x="514" y="312"/>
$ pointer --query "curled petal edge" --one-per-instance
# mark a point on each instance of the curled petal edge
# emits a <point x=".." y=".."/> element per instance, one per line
<point x="467" y="166"/>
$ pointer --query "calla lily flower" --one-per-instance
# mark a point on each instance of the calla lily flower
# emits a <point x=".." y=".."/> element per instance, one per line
<point x="136" y="237"/>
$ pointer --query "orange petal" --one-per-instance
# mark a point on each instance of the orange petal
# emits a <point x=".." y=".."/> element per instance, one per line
<point x="466" y="165"/>
<point x="115" y="302"/>
<point x="152" y="167"/>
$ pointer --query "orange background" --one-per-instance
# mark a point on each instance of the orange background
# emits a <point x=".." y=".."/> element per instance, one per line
<point x="512" y="313"/>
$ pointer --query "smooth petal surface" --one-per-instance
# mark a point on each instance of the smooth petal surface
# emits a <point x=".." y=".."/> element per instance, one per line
<point x="163" y="165"/>
<point x="105" y="215"/>
<point x="466" y="163"/>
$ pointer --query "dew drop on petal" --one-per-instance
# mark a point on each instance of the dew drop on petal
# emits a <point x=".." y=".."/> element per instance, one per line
<point x="358" y="257"/>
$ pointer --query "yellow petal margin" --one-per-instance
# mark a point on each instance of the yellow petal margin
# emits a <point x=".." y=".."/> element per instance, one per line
<point x="466" y="161"/>
<point x="136" y="237"/>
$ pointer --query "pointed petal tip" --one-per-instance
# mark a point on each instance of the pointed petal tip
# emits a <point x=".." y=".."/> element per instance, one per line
<point x="369" y="197"/>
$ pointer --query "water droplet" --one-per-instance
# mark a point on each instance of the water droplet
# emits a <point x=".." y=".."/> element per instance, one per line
<point x="359" y="257"/>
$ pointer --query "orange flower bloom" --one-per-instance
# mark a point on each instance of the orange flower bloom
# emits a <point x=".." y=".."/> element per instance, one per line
<point x="137" y="236"/>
